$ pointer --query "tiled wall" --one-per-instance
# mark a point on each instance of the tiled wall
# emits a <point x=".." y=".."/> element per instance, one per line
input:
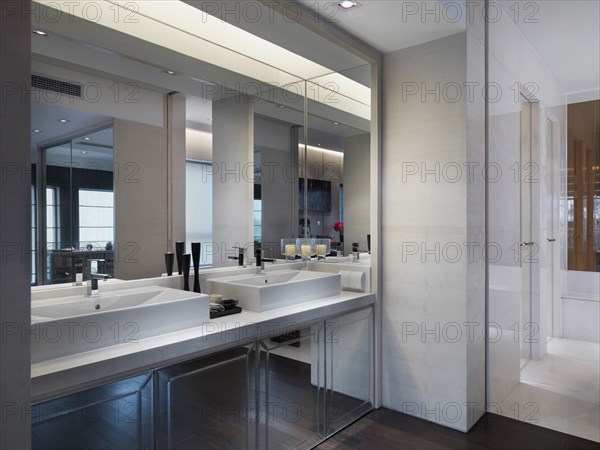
<point x="233" y="186"/>
<point x="433" y="366"/>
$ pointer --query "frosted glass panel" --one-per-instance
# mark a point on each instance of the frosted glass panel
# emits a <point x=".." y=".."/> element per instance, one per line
<point x="90" y="216"/>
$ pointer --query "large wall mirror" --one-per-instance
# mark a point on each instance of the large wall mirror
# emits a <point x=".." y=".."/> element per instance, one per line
<point x="186" y="137"/>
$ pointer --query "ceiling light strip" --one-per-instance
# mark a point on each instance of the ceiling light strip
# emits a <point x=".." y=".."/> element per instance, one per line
<point x="152" y="26"/>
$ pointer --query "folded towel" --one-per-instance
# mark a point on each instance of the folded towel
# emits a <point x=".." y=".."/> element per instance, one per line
<point x="216" y="307"/>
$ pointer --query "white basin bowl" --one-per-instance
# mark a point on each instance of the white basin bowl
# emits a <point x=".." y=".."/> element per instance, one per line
<point x="276" y="289"/>
<point x="70" y="325"/>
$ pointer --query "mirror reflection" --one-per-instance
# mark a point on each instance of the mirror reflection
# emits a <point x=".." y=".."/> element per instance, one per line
<point x="74" y="201"/>
<point x="337" y="156"/>
<point x="212" y="146"/>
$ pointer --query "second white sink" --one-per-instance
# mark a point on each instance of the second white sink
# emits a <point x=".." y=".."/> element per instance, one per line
<point x="276" y="289"/>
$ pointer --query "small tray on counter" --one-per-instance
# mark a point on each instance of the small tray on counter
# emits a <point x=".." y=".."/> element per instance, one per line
<point x="227" y="312"/>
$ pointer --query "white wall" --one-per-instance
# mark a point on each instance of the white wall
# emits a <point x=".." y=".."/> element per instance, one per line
<point x="279" y="194"/>
<point x="233" y="178"/>
<point x="357" y="204"/>
<point x="279" y="183"/>
<point x="438" y="376"/>
<point x="580" y="307"/>
<point x="198" y="145"/>
<point x="141" y="209"/>
<point x="515" y="66"/>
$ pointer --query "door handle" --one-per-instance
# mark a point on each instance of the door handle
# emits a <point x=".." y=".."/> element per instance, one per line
<point x="527" y="244"/>
<point x="551" y="240"/>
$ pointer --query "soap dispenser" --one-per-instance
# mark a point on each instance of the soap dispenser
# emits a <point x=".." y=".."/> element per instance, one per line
<point x="355" y="251"/>
<point x="179" y="250"/>
<point x="186" y="271"/>
<point x="196" y="246"/>
<point x="79" y="272"/>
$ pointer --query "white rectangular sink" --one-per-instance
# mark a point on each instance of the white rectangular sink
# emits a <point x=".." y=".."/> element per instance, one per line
<point x="276" y="289"/>
<point x="70" y="325"/>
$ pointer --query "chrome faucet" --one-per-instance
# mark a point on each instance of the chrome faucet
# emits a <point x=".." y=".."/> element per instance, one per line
<point x="92" y="287"/>
<point x="260" y="262"/>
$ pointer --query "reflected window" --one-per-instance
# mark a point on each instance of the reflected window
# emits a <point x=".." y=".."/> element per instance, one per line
<point x="33" y="236"/>
<point x="52" y="218"/>
<point x="52" y="222"/>
<point x="198" y="207"/>
<point x="257" y="208"/>
<point x="96" y="212"/>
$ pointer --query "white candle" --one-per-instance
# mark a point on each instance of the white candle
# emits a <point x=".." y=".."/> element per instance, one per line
<point x="290" y="250"/>
<point x="321" y="249"/>
<point x="305" y="249"/>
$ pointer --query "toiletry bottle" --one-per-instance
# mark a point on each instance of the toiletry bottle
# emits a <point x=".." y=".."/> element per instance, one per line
<point x="79" y="272"/>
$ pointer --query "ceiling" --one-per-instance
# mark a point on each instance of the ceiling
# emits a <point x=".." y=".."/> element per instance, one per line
<point x="573" y="54"/>
<point x="390" y="25"/>
<point x="45" y="118"/>
<point x="92" y="150"/>
<point x="95" y="50"/>
<point x="565" y="33"/>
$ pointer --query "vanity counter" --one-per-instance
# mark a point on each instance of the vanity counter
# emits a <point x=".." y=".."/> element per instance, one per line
<point x="61" y="376"/>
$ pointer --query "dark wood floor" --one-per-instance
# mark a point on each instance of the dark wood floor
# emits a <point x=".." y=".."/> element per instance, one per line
<point x="210" y="411"/>
<point x="386" y="429"/>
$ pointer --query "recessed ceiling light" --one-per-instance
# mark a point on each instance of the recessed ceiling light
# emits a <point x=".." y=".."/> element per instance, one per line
<point x="83" y="152"/>
<point x="168" y="72"/>
<point x="347" y="4"/>
<point x="40" y="32"/>
<point x="335" y="123"/>
<point x="210" y="119"/>
<point x="86" y="138"/>
<point x="37" y="131"/>
<point x="281" y="106"/>
<point x="63" y="120"/>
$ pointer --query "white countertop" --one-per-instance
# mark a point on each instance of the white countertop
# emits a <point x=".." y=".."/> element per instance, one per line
<point x="62" y="376"/>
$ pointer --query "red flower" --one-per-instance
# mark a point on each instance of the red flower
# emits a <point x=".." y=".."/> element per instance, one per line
<point x="338" y="226"/>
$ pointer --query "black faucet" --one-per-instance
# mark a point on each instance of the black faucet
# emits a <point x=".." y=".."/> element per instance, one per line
<point x="239" y="257"/>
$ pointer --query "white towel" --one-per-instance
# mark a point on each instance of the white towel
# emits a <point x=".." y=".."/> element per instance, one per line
<point x="353" y="280"/>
